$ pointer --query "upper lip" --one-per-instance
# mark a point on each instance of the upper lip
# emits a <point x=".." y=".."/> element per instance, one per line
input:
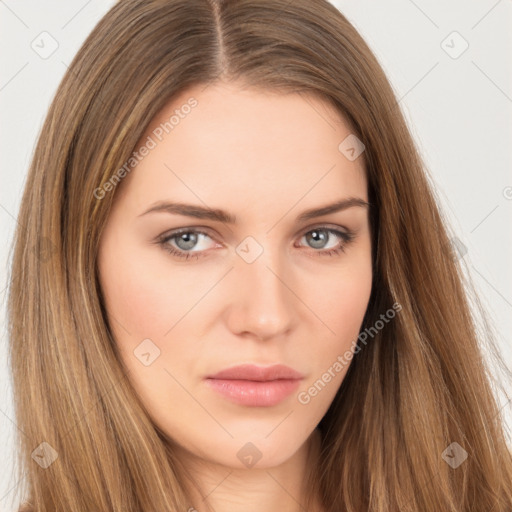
<point x="257" y="373"/>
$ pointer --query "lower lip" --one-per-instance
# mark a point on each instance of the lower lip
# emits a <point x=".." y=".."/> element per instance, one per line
<point x="254" y="393"/>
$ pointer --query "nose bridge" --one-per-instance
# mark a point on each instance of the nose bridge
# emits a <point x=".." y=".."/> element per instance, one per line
<point x="264" y="302"/>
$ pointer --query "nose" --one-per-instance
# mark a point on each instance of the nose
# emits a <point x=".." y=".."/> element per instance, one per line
<point x="263" y="304"/>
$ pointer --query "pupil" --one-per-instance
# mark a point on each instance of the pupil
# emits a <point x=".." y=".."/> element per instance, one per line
<point x="188" y="239"/>
<point x="319" y="236"/>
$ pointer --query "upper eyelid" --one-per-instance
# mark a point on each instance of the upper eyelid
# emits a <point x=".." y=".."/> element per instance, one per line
<point x="206" y="231"/>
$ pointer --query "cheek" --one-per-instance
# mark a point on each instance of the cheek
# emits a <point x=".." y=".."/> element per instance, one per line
<point x="149" y="298"/>
<point x="341" y="309"/>
<point x="144" y="302"/>
<point x="342" y="300"/>
<point x="142" y="296"/>
<point x="340" y="303"/>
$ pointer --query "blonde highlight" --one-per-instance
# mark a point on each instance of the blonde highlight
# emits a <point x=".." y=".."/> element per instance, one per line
<point x="407" y="395"/>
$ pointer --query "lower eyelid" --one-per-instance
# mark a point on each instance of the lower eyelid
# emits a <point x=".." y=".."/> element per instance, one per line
<point x="345" y="238"/>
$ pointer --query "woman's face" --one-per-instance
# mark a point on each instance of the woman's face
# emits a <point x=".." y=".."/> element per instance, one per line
<point x="273" y="287"/>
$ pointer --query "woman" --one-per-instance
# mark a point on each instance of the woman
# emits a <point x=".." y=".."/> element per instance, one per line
<point x="194" y="146"/>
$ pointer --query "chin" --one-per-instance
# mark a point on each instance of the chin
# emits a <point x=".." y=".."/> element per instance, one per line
<point x="257" y="451"/>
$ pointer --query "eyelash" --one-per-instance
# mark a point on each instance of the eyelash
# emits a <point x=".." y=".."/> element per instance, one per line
<point x="346" y="237"/>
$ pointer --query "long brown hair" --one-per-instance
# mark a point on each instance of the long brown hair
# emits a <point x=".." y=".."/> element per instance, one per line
<point x="418" y="386"/>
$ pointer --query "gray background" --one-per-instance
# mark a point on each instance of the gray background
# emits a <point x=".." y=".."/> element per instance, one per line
<point x="458" y="105"/>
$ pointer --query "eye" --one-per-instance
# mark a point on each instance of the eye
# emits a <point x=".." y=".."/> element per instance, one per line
<point x="318" y="237"/>
<point x="186" y="239"/>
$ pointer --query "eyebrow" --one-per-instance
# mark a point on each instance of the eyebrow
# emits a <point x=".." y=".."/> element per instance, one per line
<point x="214" y="214"/>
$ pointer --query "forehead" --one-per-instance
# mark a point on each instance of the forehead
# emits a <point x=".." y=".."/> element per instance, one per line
<point x="216" y="141"/>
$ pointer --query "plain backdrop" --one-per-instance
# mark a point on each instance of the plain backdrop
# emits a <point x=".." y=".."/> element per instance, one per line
<point x="449" y="64"/>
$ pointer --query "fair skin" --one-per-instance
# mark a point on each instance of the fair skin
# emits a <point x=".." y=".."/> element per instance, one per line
<point x="265" y="158"/>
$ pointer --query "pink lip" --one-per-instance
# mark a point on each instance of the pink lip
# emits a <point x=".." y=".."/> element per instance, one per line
<point x="255" y="386"/>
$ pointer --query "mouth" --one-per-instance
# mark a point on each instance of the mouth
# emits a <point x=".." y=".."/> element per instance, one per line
<point x="255" y="386"/>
